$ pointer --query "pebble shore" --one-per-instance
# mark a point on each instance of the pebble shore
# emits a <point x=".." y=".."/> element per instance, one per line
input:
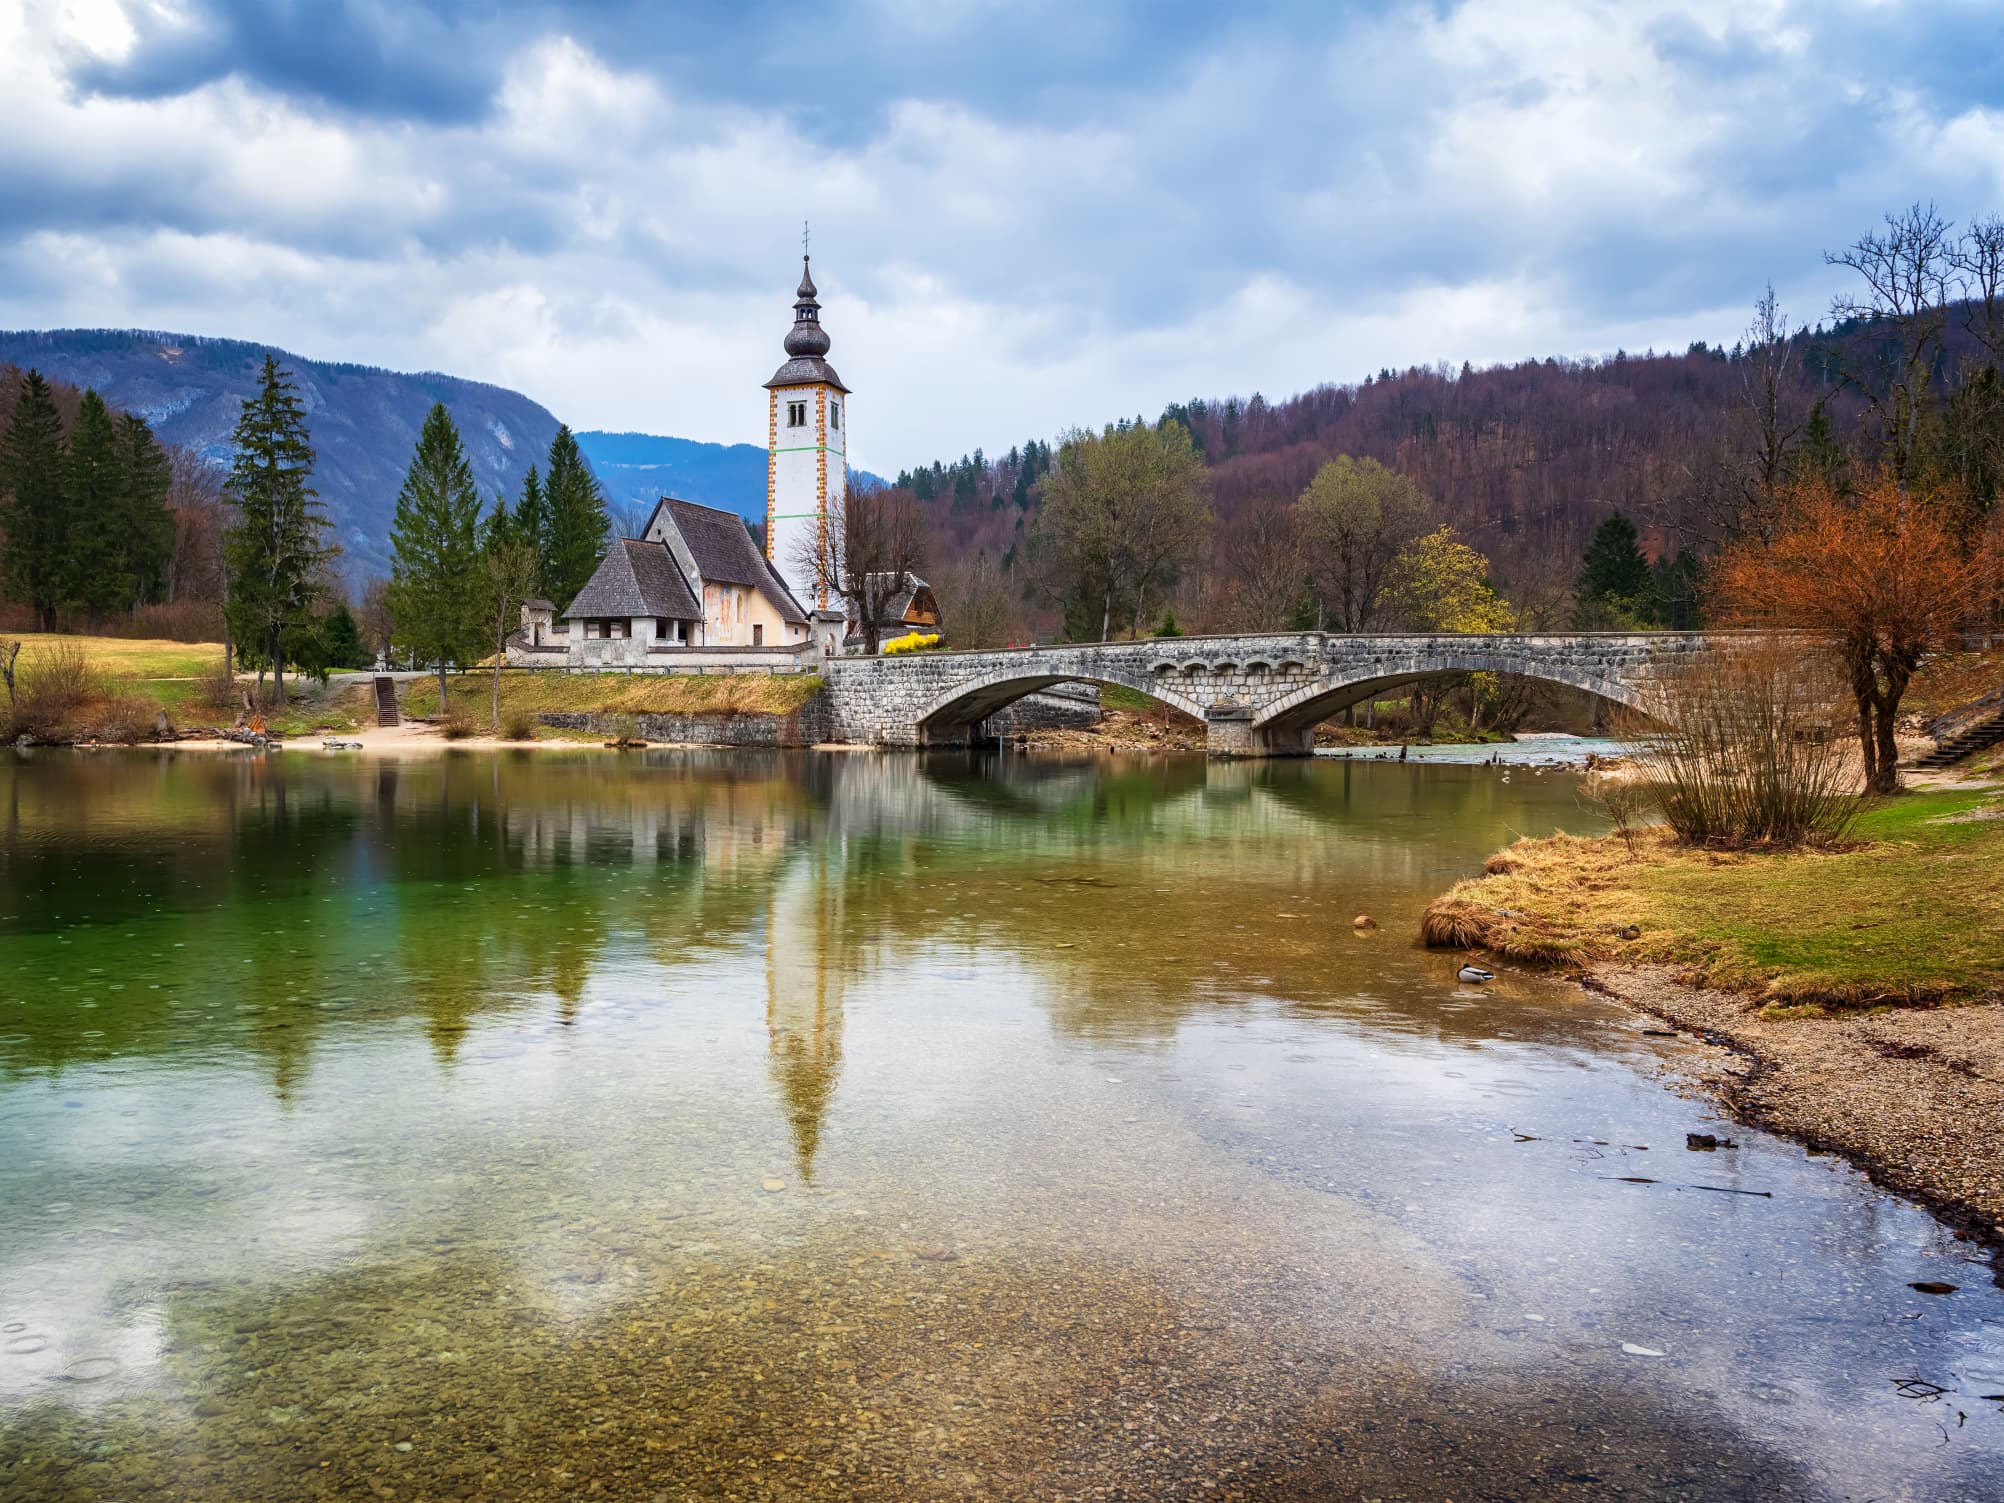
<point x="1913" y="1096"/>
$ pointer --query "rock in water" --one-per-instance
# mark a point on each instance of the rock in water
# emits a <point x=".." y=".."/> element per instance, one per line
<point x="1363" y="921"/>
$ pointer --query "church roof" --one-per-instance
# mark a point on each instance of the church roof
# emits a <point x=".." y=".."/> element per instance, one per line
<point x="724" y="553"/>
<point x="636" y="578"/>
<point x="808" y="370"/>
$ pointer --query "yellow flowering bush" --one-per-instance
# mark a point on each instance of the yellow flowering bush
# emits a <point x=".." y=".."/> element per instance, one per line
<point x="911" y="642"/>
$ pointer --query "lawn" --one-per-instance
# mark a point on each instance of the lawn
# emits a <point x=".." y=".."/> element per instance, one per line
<point x="616" y="693"/>
<point x="1913" y="912"/>
<point x="127" y="657"/>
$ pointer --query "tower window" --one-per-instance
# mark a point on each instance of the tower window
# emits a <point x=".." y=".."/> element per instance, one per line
<point x="796" y="414"/>
<point x="834" y="414"/>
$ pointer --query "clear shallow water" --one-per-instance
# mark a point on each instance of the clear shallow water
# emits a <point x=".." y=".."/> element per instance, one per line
<point x="770" y="1126"/>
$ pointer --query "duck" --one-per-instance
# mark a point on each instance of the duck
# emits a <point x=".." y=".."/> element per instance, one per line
<point x="1474" y="974"/>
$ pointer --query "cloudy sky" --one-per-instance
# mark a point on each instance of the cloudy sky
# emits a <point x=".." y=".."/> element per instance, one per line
<point x="1024" y="215"/>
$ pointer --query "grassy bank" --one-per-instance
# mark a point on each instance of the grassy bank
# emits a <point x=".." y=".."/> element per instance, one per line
<point x="471" y="694"/>
<point x="115" y="688"/>
<point x="1911" y="913"/>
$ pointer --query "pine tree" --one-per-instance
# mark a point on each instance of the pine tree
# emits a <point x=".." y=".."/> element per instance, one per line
<point x="96" y="576"/>
<point x="576" y="527"/>
<point x="272" y="555"/>
<point x="437" y="584"/>
<point x="1614" y="575"/>
<point x="34" y="464"/>
<point x="148" y="525"/>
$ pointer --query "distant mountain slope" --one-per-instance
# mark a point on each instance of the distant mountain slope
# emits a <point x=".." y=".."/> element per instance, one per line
<point x="364" y="421"/>
<point x="637" y="469"/>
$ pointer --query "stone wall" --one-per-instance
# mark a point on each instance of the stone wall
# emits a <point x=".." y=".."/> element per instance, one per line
<point x="805" y="727"/>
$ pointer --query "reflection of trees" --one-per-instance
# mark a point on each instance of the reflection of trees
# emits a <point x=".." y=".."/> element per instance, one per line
<point x="256" y="904"/>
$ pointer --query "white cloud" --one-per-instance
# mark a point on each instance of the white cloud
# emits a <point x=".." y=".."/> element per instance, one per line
<point x="1486" y="181"/>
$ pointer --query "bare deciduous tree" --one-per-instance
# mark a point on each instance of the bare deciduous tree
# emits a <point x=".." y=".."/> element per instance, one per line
<point x="984" y="610"/>
<point x="1775" y="413"/>
<point x="511" y="578"/>
<point x="1263" y="555"/>
<point x="1909" y="273"/>
<point x="868" y="555"/>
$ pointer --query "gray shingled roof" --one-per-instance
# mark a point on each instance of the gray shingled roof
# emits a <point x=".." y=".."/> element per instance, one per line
<point x="725" y="553"/>
<point x="807" y="370"/>
<point x="636" y="579"/>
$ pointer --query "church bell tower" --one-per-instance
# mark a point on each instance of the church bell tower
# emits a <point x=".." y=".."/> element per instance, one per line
<point x="807" y="450"/>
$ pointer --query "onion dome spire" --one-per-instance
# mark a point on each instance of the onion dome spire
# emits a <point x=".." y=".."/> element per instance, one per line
<point x="807" y="336"/>
<point x="806" y="342"/>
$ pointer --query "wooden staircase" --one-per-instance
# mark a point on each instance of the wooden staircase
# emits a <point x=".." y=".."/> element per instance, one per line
<point x="386" y="700"/>
<point x="1975" y="727"/>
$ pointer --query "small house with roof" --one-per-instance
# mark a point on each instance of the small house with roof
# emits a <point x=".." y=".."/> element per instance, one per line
<point x="694" y="579"/>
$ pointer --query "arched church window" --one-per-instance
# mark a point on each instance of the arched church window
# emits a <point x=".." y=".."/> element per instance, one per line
<point x="834" y="414"/>
<point x="796" y="414"/>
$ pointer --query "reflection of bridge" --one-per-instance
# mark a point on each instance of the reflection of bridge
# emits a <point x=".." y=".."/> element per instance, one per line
<point x="1259" y="696"/>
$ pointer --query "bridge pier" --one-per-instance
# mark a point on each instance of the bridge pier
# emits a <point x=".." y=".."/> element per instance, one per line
<point x="1229" y="732"/>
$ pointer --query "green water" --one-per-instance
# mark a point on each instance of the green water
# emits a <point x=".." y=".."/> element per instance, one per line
<point x="694" y="1125"/>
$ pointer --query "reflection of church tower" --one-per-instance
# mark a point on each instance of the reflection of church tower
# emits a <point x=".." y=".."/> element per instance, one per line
<point x="807" y="448"/>
<point x="803" y="1000"/>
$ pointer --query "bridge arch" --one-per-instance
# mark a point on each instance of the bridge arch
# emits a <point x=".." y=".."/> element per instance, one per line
<point x="971" y="701"/>
<point x="1307" y="706"/>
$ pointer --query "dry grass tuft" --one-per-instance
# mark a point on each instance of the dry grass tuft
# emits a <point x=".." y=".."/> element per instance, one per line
<point x="123" y="720"/>
<point x="632" y="694"/>
<point x="519" y="725"/>
<point x="458" y="727"/>
<point x="1500" y="865"/>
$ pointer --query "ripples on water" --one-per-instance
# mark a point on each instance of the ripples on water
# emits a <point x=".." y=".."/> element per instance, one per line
<point x="699" y="1125"/>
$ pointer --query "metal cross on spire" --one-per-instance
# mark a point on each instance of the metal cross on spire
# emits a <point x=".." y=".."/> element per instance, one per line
<point x="803" y="239"/>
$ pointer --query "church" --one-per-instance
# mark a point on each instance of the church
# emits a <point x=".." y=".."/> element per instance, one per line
<point x="694" y="585"/>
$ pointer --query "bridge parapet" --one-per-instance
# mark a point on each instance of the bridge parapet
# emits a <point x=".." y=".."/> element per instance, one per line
<point x="1259" y="694"/>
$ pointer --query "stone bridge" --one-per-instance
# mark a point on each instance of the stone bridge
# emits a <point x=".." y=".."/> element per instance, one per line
<point x="1259" y="696"/>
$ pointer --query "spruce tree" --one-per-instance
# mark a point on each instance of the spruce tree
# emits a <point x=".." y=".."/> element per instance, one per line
<point x="97" y="579"/>
<point x="34" y="466"/>
<point x="497" y="528"/>
<point x="341" y="638"/>
<point x="531" y="523"/>
<point x="148" y="525"/>
<point x="437" y="574"/>
<point x="576" y="528"/>
<point x="272" y="555"/>
<point x="1614" y="575"/>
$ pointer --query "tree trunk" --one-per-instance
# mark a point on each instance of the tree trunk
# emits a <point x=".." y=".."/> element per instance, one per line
<point x="499" y="653"/>
<point x="441" y="684"/>
<point x="277" y="674"/>
<point x="1105" y="615"/>
<point x="1887" y="779"/>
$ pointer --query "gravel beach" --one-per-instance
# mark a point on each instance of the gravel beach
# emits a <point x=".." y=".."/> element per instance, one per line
<point x="1915" y="1096"/>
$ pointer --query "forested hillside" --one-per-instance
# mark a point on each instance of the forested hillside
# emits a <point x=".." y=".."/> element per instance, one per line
<point x="1524" y="459"/>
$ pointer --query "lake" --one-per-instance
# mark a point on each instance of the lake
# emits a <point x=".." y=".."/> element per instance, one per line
<point x="791" y="1126"/>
